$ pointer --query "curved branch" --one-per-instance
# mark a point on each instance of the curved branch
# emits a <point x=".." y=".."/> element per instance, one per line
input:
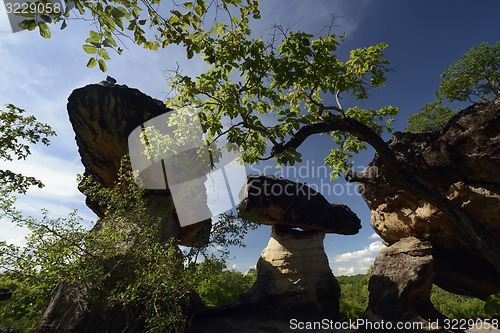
<point x="477" y="232"/>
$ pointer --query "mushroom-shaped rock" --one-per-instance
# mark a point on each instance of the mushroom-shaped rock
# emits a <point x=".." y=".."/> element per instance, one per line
<point x="277" y="201"/>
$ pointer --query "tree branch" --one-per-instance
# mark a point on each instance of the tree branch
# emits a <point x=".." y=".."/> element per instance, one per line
<point x="397" y="175"/>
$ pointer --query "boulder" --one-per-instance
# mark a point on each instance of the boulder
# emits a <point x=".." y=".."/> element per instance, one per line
<point x="401" y="281"/>
<point x="277" y="201"/>
<point x="461" y="162"/>
<point x="67" y="310"/>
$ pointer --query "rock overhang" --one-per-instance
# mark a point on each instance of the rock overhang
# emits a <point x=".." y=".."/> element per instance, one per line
<point x="274" y="200"/>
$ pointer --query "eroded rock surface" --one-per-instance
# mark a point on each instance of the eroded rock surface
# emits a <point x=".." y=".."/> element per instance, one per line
<point x="401" y="281"/>
<point x="278" y="201"/>
<point x="294" y="279"/>
<point x="461" y="162"/>
<point x="102" y="118"/>
<point x="69" y="307"/>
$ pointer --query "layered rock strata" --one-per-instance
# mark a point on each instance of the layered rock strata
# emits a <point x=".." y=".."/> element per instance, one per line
<point x="103" y="118"/>
<point x="294" y="279"/>
<point x="401" y="281"/>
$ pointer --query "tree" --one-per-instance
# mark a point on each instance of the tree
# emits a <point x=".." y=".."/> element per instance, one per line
<point x="17" y="133"/>
<point x="223" y="286"/>
<point x="275" y="92"/>
<point x="127" y="258"/>
<point x="434" y="116"/>
<point x="475" y="77"/>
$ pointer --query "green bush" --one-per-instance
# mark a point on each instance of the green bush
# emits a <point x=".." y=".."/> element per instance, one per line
<point x="354" y="295"/>
<point x="224" y="286"/>
<point x="457" y="306"/>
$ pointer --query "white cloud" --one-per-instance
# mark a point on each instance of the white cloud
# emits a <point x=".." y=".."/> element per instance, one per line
<point x="4" y="22"/>
<point x="374" y="236"/>
<point x="356" y="255"/>
<point x="13" y="234"/>
<point x="345" y="271"/>
<point x="348" y="15"/>
<point x="356" y="262"/>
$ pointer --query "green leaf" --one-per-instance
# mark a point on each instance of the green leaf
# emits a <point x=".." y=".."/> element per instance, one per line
<point x="91" y="63"/>
<point x="492" y="305"/>
<point x="173" y="19"/>
<point x="90" y="49"/>
<point x="104" y="54"/>
<point x="46" y="18"/>
<point x="102" y="65"/>
<point x="28" y="24"/>
<point x="44" y="29"/>
<point x="199" y="10"/>
<point x="64" y="25"/>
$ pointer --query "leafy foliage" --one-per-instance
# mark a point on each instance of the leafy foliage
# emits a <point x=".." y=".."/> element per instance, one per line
<point x="354" y="295"/>
<point x="354" y="300"/>
<point x="434" y="116"/>
<point x="457" y="306"/>
<point x="151" y="24"/>
<point x="31" y="272"/>
<point x="223" y="286"/>
<point x="268" y="91"/>
<point x="492" y="305"/>
<point x="475" y="77"/>
<point x="17" y="133"/>
<point x="129" y="258"/>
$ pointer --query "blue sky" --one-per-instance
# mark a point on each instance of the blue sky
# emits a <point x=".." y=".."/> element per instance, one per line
<point x="424" y="38"/>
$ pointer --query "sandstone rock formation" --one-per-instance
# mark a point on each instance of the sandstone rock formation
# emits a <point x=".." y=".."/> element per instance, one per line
<point x="293" y="276"/>
<point x="294" y="279"/>
<point x="69" y="308"/>
<point x="278" y="201"/>
<point x="461" y="162"/>
<point x="102" y="118"/>
<point x="401" y="281"/>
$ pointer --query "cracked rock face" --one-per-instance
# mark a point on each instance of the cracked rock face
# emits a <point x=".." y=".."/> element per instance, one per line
<point x="102" y="118"/>
<point x="461" y="162"/>
<point x="401" y="280"/>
